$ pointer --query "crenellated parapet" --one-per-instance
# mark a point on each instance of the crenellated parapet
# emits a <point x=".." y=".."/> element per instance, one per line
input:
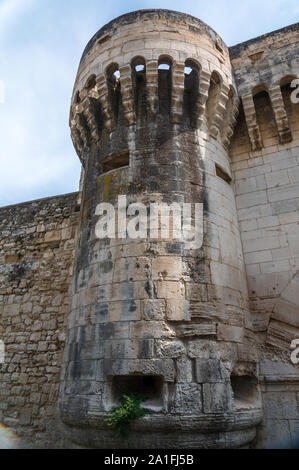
<point x="265" y="65"/>
<point x="195" y="90"/>
<point x="96" y="108"/>
<point x="279" y="113"/>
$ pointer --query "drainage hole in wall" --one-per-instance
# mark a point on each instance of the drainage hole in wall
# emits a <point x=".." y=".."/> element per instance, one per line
<point x="245" y="391"/>
<point x="147" y="386"/>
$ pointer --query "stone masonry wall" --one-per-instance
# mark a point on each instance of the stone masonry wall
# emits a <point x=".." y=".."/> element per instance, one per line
<point x="37" y="242"/>
<point x="37" y="239"/>
<point x="265" y="163"/>
<point x="266" y="180"/>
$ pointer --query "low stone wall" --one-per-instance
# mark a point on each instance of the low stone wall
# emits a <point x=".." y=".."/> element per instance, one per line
<point x="37" y="241"/>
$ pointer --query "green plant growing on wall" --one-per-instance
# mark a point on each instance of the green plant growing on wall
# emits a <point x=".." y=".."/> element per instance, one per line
<point x="128" y="410"/>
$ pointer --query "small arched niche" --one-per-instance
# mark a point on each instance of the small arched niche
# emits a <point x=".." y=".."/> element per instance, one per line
<point x="90" y="83"/>
<point x="213" y="96"/>
<point x="165" y="85"/>
<point x="77" y="98"/>
<point x="240" y="140"/>
<point x="265" y="115"/>
<point x="191" y="92"/>
<point x="114" y="90"/>
<point x="139" y="86"/>
<point x="245" y="391"/>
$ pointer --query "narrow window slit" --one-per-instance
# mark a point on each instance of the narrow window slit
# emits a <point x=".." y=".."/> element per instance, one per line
<point x="139" y="87"/>
<point x="265" y="116"/>
<point x="221" y="173"/>
<point x="114" y="91"/>
<point x="91" y="83"/>
<point x="115" y="162"/>
<point x="191" y="92"/>
<point x="77" y="97"/>
<point x="165" y="86"/>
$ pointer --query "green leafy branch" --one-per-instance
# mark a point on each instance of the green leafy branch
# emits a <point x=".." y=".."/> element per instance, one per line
<point x="128" y="410"/>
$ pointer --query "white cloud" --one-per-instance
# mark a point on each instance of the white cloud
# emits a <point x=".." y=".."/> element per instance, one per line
<point x="10" y="10"/>
<point x="36" y="153"/>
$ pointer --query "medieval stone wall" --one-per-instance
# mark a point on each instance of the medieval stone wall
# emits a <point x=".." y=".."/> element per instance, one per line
<point x="37" y="242"/>
<point x="265" y="163"/>
<point x="257" y="196"/>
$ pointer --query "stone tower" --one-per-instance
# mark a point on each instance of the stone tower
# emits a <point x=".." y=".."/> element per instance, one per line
<point x="153" y="110"/>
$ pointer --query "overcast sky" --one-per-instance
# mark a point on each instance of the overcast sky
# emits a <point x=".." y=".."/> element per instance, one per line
<point x="41" y="42"/>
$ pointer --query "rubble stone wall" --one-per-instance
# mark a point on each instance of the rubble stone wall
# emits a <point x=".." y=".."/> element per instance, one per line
<point x="37" y="242"/>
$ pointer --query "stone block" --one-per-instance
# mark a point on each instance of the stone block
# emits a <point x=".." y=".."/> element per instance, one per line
<point x="252" y="199"/>
<point x="167" y="268"/>
<point x="169" y="348"/>
<point x="170" y="290"/>
<point x="196" y="292"/>
<point x="53" y="236"/>
<point x="178" y="310"/>
<point x="25" y="417"/>
<point x="230" y="333"/>
<point x="151" y="329"/>
<point x="187" y="400"/>
<point x="217" y="398"/>
<point x="160" y="367"/>
<point x="210" y="371"/>
<point x="125" y="310"/>
<point x="184" y="370"/>
<point x="121" y="349"/>
<point x="153" y="309"/>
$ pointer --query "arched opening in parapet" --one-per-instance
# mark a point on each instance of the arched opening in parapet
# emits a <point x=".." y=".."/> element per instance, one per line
<point x="139" y="86"/>
<point x="240" y="141"/>
<point x="245" y="391"/>
<point x="77" y="97"/>
<point x="146" y="386"/>
<point x="290" y="95"/>
<point x="115" y="161"/>
<point x="191" y="92"/>
<point x="165" y="85"/>
<point x="265" y="116"/>
<point x="91" y="83"/>
<point x="213" y="97"/>
<point x="114" y="90"/>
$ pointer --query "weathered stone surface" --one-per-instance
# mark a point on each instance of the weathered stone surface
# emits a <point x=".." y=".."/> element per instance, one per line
<point x="181" y="320"/>
<point x="187" y="399"/>
<point x="153" y="309"/>
<point x="210" y="371"/>
<point x="177" y="310"/>
<point x="217" y="398"/>
<point x="34" y="313"/>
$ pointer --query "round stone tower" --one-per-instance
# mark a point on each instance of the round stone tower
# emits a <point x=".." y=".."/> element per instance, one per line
<point x="159" y="304"/>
